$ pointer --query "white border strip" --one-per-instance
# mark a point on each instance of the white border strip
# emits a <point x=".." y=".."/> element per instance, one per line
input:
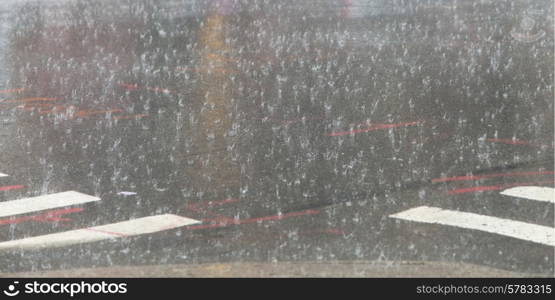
<point x="27" y="205"/>
<point x="538" y="193"/>
<point x="111" y="231"/>
<point x="516" y="229"/>
<point x="3" y="175"/>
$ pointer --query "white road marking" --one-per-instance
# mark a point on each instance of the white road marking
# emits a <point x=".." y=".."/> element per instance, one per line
<point x="3" y="175"/>
<point x="124" y="193"/>
<point x="110" y="231"/>
<point x="538" y="193"/>
<point x="516" y="229"/>
<point x="27" y="205"/>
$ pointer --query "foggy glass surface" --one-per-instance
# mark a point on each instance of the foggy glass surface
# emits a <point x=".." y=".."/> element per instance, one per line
<point x="292" y="131"/>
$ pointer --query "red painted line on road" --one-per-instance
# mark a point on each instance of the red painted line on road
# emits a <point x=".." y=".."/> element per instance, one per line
<point x="64" y="211"/>
<point x="220" y="219"/>
<point x="26" y="105"/>
<point x="9" y="91"/>
<point x="11" y="187"/>
<point x="477" y="177"/>
<point x="53" y="216"/>
<point x="129" y="86"/>
<point x="78" y="114"/>
<point x="495" y="187"/>
<point x="202" y="206"/>
<point x="31" y="100"/>
<point x="136" y="116"/>
<point x="14" y="220"/>
<point x="517" y="142"/>
<point x="56" y="108"/>
<point x="374" y="127"/>
<point x="107" y="232"/>
<point x="50" y="216"/>
<point x="255" y="220"/>
<point x="509" y="141"/>
<point x="86" y="113"/>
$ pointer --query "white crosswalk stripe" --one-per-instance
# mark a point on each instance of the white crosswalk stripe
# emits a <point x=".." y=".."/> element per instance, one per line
<point x="3" y="175"/>
<point x="28" y="205"/>
<point x="128" y="228"/>
<point x="538" y="193"/>
<point x="516" y="229"/>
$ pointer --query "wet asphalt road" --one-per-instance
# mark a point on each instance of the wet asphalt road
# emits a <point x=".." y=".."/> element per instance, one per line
<point x="291" y="129"/>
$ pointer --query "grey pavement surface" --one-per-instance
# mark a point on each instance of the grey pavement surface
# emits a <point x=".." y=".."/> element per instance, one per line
<point x="302" y="138"/>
